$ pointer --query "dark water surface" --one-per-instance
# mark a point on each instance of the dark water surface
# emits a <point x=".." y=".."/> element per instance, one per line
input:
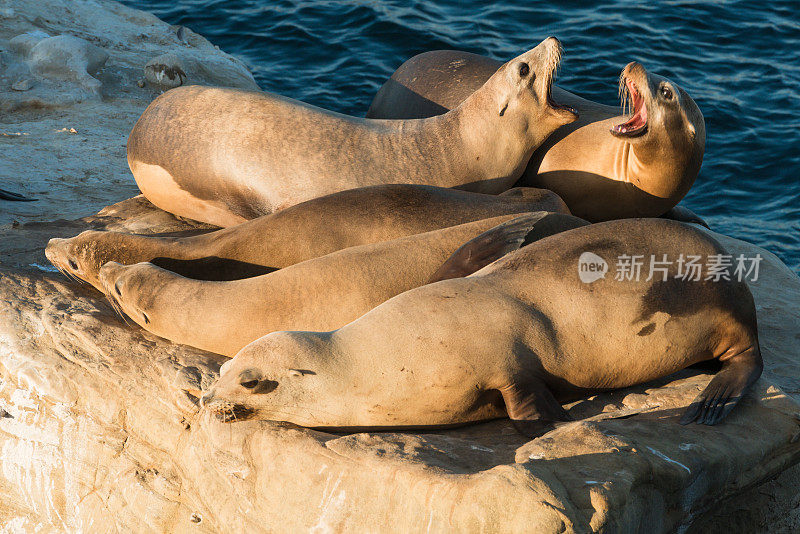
<point x="740" y="61"/>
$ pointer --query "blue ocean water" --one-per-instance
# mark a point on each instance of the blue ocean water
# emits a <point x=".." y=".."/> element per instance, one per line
<point x="738" y="59"/>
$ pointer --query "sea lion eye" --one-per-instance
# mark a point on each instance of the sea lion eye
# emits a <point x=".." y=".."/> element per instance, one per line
<point x="666" y="92"/>
<point x="524" y="70"/>
<point x="249" y="384"/>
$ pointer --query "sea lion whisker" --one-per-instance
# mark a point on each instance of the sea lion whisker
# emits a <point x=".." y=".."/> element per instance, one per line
<point x="66" y="273"/>
<point x="61" y="270"/>
<point x="275" y="415"/>
<point x="117" y="308"/>
<point x="624" y="95"/>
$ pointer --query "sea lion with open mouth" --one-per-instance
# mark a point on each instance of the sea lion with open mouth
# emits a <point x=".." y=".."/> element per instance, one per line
<point x="224" y="156"/>
<point x="517" y="338"/>
<point x="604" y="165"/>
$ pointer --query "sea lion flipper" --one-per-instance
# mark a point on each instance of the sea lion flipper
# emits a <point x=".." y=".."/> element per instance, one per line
<point x="532" y="408"/>
<point x="726" y="389"/>
<point x="503" y="239"/>
<point x="489" y="246"/>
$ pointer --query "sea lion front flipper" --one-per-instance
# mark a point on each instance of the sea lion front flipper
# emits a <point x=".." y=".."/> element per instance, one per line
<point x="682" y="214"/>
<point x="725" y="390"/>
<point x="532" y="408"/>
<point x="14" y="197"/>
<point x="496" y="242"/>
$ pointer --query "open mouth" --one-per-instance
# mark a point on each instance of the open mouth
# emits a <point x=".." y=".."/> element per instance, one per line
<point x="555" y="61"/>
<point x="555" y="105"/>
<point x="637" y="124"/>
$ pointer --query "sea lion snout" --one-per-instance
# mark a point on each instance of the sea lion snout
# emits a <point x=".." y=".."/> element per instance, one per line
<point x="109" y="278"/>
<point x="61" y="253"/>
<point x="550" y="59"/>
<point x="79" y="257"/>
<point x="635" y="69"/>
<point x="56" y="251"/>
<point x="634" y="73"/>
<point x="224" y="410"/>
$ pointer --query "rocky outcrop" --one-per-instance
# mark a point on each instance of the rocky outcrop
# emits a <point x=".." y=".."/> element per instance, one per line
<point x="99" y="424"/>
<point x="73" y="83"/>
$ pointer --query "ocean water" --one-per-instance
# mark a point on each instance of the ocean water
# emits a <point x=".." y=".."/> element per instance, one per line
<point x="738" y="59"/>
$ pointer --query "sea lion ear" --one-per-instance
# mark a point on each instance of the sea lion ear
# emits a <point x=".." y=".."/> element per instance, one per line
<point x="300" y="372"/>
<point x="692" y="131"/>
<point x="503" y="108"/>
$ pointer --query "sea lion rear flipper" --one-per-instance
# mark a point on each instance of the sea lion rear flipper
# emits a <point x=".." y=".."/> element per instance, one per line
<point x="503" y="239"/>
<point x="726" y="388"/>
<point x="532" y="408"/>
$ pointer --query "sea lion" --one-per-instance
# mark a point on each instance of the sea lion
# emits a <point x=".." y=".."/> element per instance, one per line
<point x="224" y="156"/>
<point x="516" y="338"/>
<point x="319" y="294"/>
<point x="604" y="165"/>
<point x="307" y="230"/>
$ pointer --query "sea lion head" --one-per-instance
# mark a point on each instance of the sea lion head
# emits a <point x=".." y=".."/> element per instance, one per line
<point x="76" y="257"/>
<point x="126" y="289"/>
<point x="665" y="126"/>
<point x="278" y="377"/>
<point x="521" y="92"/>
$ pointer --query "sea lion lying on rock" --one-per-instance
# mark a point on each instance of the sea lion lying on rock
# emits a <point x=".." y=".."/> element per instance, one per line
<point x="224" y="156"/>
<point x="516" y="338"/>
<point x="308" y="230"/>
<point x="318" y="294"/>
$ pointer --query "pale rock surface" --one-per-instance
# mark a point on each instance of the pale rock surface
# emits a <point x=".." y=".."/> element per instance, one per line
<point x="68" y="58"/>
<point x="73" y="174"/>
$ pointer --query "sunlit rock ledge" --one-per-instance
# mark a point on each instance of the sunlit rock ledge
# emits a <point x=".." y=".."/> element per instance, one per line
<point x="99" y="427"/>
